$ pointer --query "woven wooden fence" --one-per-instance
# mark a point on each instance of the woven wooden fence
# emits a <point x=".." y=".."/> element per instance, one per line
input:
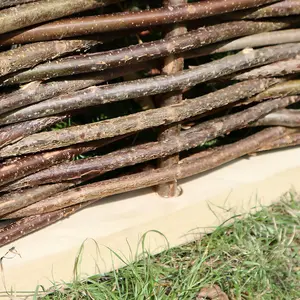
<point x="102" y="97"/>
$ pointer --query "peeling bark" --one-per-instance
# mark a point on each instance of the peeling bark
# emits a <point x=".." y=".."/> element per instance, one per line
<point x="138" y="121"/>
<point x="144" y="52"/>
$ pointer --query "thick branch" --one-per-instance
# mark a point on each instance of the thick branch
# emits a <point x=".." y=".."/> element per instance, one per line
<point x="45" y="10"/>
<point x="280" y="68"/>
<point x="30" y="55"/>
<point x="17" y="200"/>
<point x="283" y="117"/>
<point x="198" y="135"/>
<point x="120" y="21"/>
<point x="187" y="167"/>
<point x="151" y="86"/>
<point x="35" y="91"/>
<point x="13" y="133"/>
<point x="146" y="51"/>
<point x="135" y="122"/>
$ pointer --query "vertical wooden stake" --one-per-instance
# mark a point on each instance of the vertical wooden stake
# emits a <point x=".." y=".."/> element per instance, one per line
<point x="171" y="65"/>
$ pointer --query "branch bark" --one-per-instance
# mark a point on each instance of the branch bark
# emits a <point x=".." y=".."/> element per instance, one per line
<point x="283" y="117"/>
<point x="14" y="201"/>
<point x="280" y="9"/>
<point x="119" y="21"/>
<point x="290" y="139"/>
<point x="45" y="10"/>
<point x="172" y="65"/>
<point x="136" y="122"/>
<point x="35" y="91"/>
<point x="252" y="41"/>
<point x="20" y="167"/>
<point x="146" y="51"/>
<point x="198" y="135"/>
<point x="13" y="133"/>
<point x="187" y="167"/>
<point x="150" y="86"/>
<point x="30" y="55"/>
<point x="280" y="68"/>
<point x="8" y="3"/>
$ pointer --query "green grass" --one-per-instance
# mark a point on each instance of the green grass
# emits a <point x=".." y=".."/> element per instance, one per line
<point x="254" y="257"/>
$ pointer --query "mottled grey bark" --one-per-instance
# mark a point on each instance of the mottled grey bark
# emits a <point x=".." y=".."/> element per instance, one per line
<point x="136" y="122"/>
<point x="144" y="52"/>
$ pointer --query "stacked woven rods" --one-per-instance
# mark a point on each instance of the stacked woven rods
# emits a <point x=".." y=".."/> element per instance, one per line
<point x="104" y="97"/>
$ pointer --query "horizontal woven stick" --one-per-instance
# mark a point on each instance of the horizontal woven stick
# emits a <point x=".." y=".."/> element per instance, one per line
<point x="280" y="9"/>
<point x="102" y="189"/>
<point x="20" y="167"/>
<point x="17" y="200"/>
<point x="119" y="21"/>
<point x="252" y="41"/>
<point x="150" y="86"/>
<point x="8" y="3"/>
<point x="145" y="51"/>
<point x="35" y="91"/>
<point x="13" y="133"/>
<point x="135" y="122"/>
<point x="283" y="117"/>
<point x="45" y="10"/>
<point x="30" y="55"/>
<point x="282" y="89"/>
<point x="290" y="139"/>
<point x="280" y="68"/>
<point x="95" y="166"/>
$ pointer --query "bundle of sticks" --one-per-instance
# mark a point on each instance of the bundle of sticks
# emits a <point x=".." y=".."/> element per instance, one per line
<point x="102" y="97"/>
